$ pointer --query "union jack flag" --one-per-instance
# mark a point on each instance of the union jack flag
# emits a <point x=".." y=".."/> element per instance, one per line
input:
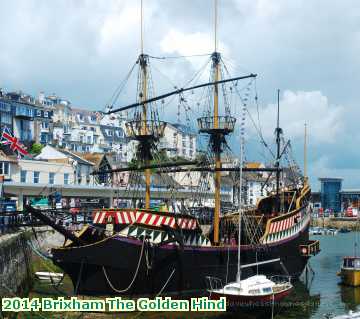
<point x="8" y="139"/>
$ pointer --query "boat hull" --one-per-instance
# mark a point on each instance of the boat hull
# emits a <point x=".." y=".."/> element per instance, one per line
<point x="350" y="277"/>
<point x="119" y="265"/>
<point x="251" y="301"/>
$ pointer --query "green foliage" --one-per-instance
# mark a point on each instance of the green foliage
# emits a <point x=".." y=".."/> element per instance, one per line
<point x="36" y="149"/>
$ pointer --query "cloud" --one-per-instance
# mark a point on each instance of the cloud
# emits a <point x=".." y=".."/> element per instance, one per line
<point x="325" y="121"/>
<point x="83" y="49"/>
<point x="322" y="167"/>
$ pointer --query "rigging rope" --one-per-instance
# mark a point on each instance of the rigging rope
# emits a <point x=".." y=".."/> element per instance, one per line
<point x="179" y="56"/>
<point x="135" y="274"/>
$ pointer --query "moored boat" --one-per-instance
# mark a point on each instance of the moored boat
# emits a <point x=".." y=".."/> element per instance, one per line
<point x="255" y="291"/>
<point x="350" y="271"/>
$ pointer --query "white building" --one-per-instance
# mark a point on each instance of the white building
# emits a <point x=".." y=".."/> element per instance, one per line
<point x="81" y="168"/>
<point x="179" y="141"/>
<point x="42" y="172"/>
<point x="255" y="184"/>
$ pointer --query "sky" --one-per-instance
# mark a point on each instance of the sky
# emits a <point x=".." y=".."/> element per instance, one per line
<point x="83" y="49"/>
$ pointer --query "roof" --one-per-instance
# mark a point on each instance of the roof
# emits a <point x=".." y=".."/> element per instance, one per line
<point x="92" y="157"/>
<point x="77" y="158"/>
<point x="253" y="165"/>
<point x="50" y="153"/>
<point x="350" y="191"/>
<point x="255" y="177"/>
<point x="5" y="158"/>
<point x="157" y="180"/>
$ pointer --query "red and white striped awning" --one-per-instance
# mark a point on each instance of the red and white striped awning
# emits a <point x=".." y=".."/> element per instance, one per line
<point x="144" y="218"/>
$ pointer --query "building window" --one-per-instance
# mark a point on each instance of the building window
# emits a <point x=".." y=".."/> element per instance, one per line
<point x="4" y="168"/>
<point x="36" y="177"/>
<point x="192" y="140"/>
<point x="89" y="139"/>
<point x="43" y="138"/>
<point x="66" y="178"/>
<point x="79" y="179"/>
<point x="46" y="114"/>
<point x="44" y="125"/>
<point x="23" y="176"/>
<point x="38" y="113"/>
<point x="6" y="118"/>
<point x="51" y="178"/>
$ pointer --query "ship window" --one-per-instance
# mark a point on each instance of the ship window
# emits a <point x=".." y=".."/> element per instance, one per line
<point x="267" y="289"/>
<point x="233" y="288"/>
<point x="254" y="291"/>
<point x="357" y="263"/>
<point x="349" y="263"/>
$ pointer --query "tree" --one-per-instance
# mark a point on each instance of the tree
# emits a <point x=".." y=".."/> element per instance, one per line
<point x="36" y="148"/>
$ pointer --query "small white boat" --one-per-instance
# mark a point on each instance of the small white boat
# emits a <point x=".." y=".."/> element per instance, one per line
<point x="332" y="231"/>
<point x="49" y="276"/>
<point x="256" y="290"/>
<point x="316" y="231"/>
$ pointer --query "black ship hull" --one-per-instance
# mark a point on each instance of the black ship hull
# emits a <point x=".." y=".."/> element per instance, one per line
<point x="121" y="265"/>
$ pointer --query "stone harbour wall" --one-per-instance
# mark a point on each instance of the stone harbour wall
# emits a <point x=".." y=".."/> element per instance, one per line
<point x="16" y="271"/>
<point x="15" y="263"/>
<point x="329" y="222"/>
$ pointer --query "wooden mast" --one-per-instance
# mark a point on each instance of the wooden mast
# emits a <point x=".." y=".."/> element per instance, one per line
<point x="277" y="164"/>
<point x="305" y="155"/>
<point x="143" y="66"/>
<point x="216" y="126"/>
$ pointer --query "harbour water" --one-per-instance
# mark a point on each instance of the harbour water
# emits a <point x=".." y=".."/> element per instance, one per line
<point x="324" y="295"/>
<point x="321" y="296"/>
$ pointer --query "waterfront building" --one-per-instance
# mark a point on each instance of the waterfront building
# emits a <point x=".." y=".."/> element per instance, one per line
<point x="113" y="140"/>
<point x="179" y="141"/>
<point x="5" y="112"/>
<point x="350" y="198"/>
<point x="6" y="166"/>
<point x="82" y="169"/>
<point x="330" y="193"/>
<point x="106" y="162"/>
<point x="43" y="172"/>
<point x="255" y="187"/>
<point x="26" y="118"/>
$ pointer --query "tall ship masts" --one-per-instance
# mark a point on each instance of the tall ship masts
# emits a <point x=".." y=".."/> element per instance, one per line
<point x="143" y="66"/>
<point x="216" y="65"/>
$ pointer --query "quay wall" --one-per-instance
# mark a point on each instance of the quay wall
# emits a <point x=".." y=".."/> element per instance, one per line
<point x="330" y="222"/>
<point x="16" y="271"/>
<point x="15" y="263"/>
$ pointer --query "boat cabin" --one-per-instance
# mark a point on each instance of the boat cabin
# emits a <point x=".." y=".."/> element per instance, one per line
<point x="255" y="285"/>
<point x="351" y="262"/>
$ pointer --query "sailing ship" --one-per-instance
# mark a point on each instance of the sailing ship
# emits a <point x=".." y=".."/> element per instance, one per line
<point x="142" y="251"/>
